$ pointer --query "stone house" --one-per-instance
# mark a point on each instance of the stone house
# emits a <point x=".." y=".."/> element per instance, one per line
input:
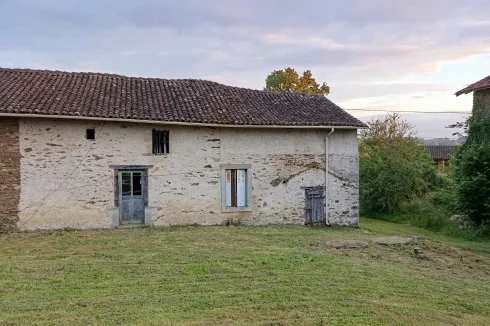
<point x="481" y="93"/>
<point x="440" y="154"/>
<point x="91" y="150"/>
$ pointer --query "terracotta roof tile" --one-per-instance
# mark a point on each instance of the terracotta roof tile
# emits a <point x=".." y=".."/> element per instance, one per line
<point x="478" y="86"/>
<point x="439" y="152"/>
<point x="54" y="93"/>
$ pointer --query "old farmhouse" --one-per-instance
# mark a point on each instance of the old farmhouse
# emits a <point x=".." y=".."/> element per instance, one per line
<point x="91" y="150"/>
<point x="481" y="94"/>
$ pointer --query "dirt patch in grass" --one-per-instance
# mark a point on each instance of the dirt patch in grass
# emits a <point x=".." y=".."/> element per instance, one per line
<point x="392" y="241"/>
<point x="436" y="258"/>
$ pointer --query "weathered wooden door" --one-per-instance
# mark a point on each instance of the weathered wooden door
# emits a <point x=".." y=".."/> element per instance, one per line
<point x="315" y="206"/>
<point x="132" y="197"/>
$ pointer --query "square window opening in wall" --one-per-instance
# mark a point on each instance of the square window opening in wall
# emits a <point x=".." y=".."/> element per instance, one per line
<point x="90" y="134"/>
<point x="160" y="142"/>
<point x="236" y="188"/>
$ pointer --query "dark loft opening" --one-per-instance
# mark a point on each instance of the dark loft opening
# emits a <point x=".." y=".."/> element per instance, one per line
<point x="160" y="142"/>
<point x="90" y="134"/>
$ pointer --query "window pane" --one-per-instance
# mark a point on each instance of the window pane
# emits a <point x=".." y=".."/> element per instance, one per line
<point x="126" y="184"/>
<point x="241" y="188"/>
<point x="137" y="184"/>
<point x="233" y="188"/>
<point x="228" y="188"/>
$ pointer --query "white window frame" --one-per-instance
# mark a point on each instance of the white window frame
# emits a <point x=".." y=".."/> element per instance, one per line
<point x="248" y="168"/>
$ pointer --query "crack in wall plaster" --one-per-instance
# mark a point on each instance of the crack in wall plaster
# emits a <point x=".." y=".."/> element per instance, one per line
<point x="310" y="166"/>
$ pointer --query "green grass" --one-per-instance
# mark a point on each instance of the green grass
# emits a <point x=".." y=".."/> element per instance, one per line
<point x="431" y="217"/>
<point x="281" y="275"/>
<point x="387" y="228"/>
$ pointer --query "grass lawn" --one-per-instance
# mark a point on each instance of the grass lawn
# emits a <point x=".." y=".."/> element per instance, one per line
<point x="281" y="275"/>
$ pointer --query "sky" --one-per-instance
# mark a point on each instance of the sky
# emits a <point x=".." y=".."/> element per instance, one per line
<point x="374" y="54"/>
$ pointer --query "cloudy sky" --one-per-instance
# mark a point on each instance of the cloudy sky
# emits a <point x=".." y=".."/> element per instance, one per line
<point x="375" y="54"/>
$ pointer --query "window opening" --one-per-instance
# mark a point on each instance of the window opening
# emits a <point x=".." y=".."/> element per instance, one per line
<point x="90" y="134"/>
<point x="160" y="142"/>
<point x="236" y="188"/>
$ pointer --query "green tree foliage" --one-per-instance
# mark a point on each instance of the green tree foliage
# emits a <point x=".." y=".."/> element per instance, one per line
<point x="472" y="169"/>
<point x="394" y="168"/>
<point x="288" y="80"/>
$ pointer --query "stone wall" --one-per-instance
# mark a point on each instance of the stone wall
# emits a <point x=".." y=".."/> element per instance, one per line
<point x="10" y="173"/>
<point x="483" y="98"/>
<point x="67" y="181"/>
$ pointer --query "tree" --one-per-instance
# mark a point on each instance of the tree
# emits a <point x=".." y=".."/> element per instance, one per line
<point x="460" y="125"/>
<point x="393" y="167"/>
<point x="472" y="169"/>
<point x="288" y="80"/>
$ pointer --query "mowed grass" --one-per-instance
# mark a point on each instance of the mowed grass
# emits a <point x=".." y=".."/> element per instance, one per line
<point x="277" y="275"/>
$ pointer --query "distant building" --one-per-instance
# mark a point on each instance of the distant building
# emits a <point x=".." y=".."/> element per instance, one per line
<point x="440" y="154"/>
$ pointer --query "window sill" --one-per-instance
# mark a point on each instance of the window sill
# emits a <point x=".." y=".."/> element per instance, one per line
<point x="226" y="209"/>
<point x="151" y="154"/>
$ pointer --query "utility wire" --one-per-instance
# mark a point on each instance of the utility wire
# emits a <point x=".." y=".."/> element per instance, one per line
<point x="63" y="182"/>
<point x="408" y="111"/>
<point x="71" y="188"/>
<point x="179" y="173"/>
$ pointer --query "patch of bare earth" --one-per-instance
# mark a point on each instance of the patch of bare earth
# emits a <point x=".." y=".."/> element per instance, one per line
<point x="435" y="258"/>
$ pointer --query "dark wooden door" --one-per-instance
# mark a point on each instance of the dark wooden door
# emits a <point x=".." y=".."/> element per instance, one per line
<point x="315" y="206"/>
<point x="132" y="197"/>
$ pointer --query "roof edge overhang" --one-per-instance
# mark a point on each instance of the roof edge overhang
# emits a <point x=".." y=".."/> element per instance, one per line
<point x="192" y="124"/>
<point x="471" y="89"/>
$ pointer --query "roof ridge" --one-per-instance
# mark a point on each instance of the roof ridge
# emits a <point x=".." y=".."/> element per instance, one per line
<point x="104" y="74"/>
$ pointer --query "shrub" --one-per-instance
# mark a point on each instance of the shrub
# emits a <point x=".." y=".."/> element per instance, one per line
<point x="423" y="214"/>
<point x="393" y="167"/>
<point x="444" y="194"/>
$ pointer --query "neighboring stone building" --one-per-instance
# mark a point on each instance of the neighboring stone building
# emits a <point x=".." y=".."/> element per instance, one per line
<point x="440" y="154"/>
<point x="481" y="94"/>
<point x="89" y="150"/>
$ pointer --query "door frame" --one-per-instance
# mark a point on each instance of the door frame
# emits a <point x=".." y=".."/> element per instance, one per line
<point x="143" y="194"/>
<point x="117" y="191"/>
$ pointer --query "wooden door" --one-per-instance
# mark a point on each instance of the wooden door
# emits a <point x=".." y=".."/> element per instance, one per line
<point x="315" y="206"/>
<point x="132" y="197"/>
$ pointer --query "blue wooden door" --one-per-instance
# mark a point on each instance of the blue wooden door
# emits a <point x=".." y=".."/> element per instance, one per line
<point x="132" y="197"/>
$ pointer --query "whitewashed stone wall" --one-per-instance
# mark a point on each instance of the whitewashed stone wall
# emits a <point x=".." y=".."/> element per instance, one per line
<point x="66" y="180"/>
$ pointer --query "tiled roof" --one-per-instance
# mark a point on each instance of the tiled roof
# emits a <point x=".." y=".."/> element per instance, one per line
<point x="438" y="152"/>
<point x="478" y="86"/>
<point x="55" y="93"/>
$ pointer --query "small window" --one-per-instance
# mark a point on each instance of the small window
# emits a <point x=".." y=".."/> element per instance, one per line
<point x="160" y="142"/>
<point x="236" y="188"/>
<point x="90" y="134"/>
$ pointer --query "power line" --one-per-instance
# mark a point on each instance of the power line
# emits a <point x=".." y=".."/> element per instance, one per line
<point x="63" y="182"/>
<point x="179" y="173"/>
<point x="72" y="188"/>
<point x="408" y="111"/>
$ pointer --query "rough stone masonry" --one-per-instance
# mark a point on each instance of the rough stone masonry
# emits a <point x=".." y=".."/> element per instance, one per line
<point x="9" y="173"/>
<point x="184" y="187"/>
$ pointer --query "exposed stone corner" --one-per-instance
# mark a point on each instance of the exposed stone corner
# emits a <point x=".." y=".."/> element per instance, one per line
<point x="10" y="174"/>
